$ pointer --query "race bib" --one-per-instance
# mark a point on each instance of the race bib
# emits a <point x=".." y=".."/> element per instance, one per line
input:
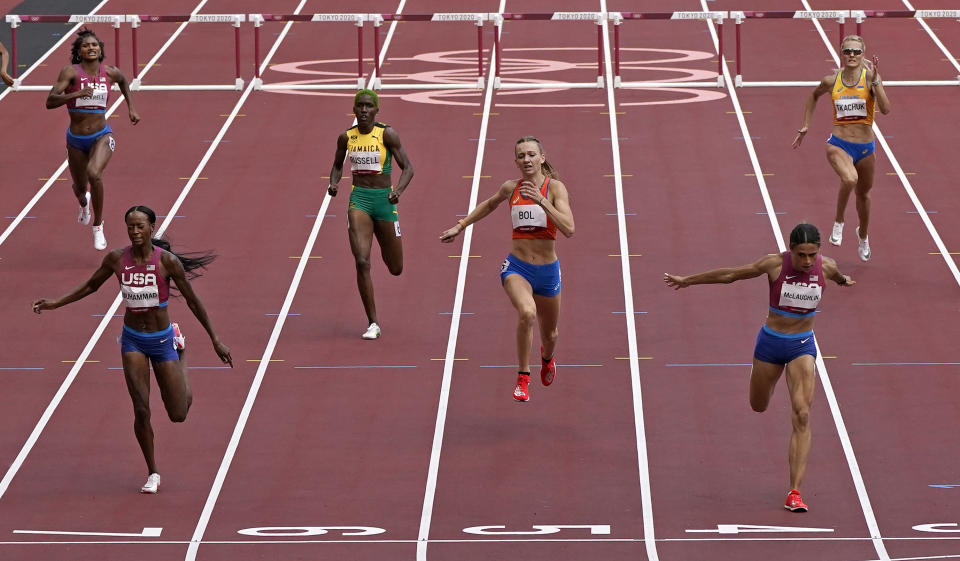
<point x="802" y="296"/>
<point x="850" y="108"/>
<point x="141" y="296"/>
<point x="528" y="217"/>
<point x="365" y="162"/>
<point x="99" y="97"/>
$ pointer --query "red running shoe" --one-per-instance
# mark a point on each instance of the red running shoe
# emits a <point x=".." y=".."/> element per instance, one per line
<point x="522" y="392"/>
<point x="795" y="502"/>
<point x="548" y="369"/>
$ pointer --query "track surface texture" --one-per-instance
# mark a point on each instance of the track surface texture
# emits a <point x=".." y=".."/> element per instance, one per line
<point x="321" y="445"/>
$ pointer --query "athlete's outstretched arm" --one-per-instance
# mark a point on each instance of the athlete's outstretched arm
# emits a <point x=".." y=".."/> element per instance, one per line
<point x="336" y="172"/>
<point x="765" y="265"/>
<point x="107" y="268"/>
<point x="810" y="104"/>
<point x="481" y="210"/>
<point x="174" y="268"/>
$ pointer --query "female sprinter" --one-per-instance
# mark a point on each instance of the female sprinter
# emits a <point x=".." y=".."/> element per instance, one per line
<point x="539" y="206"/>
<point x="4" y="60"/>
<point x="84" y="87"/>
<point x="856" y="89"/>
<point x="786" y="341"/>
<point x="372" y="148"/>
<point x="145" y="270"/>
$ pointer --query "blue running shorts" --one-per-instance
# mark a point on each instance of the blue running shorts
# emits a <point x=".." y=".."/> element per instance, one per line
<point x="856" y="150"/>
<point x="85" y="142"/>
<point x="545" y="279"/>
<point x="157" y="346"/>
<point x="780" y="348"/>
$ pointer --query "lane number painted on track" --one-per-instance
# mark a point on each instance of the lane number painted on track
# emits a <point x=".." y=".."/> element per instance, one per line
<point x="754" y="529"/>
<point x="538" y="529"/>
<point x="303" y="531"/>
<point x="940" y="527"/>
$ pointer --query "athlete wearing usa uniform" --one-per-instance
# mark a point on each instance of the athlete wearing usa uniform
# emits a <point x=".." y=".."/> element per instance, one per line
<point x="539" y="208"/>
<point x="84" y="87"/>
<point x="856" y="91"/>
<point x="786" y="341"/>
<point x="144" y="270"/>
<point x="372" y="148"/>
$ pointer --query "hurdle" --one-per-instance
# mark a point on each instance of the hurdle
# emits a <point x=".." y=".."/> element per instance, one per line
<point x="840" y="16"/>
<point x="15" y="20"/>
<point x="233" y="19"/>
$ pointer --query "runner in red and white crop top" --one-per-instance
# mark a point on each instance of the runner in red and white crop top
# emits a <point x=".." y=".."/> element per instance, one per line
<point x="530" y="220"/>
<point x="530" y="275"/>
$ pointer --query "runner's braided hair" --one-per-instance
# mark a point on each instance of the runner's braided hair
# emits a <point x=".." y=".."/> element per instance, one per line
<point x="804" y="233"/>
<point x="192" y="262"/>
<point x="548" y="169"/>
<point x="75" y="49"/>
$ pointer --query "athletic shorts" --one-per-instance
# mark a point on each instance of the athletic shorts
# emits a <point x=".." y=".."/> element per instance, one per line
<point x="856" y="150"/>
<point x="374" y="202"/>
<point x="780" y="348"/>
<point x="545" y="279"/>
<point x="85" y="143"/>
<point x="157" y="346"/>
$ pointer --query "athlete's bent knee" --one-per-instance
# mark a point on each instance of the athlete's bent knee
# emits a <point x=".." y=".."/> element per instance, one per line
<point x="801" y="419"/>
<point x="527" y="316"/>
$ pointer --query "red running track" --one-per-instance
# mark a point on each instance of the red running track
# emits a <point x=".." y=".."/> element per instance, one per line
<point x="341" y="431"/>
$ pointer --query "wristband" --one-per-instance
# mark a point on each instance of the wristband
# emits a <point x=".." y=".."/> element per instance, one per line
<point x="463" y="225"/>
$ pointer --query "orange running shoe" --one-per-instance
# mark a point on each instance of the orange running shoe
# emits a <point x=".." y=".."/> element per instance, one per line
<point x="522" y="392"/>
<point x="548" y="369"/>
<point x="795" y="502"/>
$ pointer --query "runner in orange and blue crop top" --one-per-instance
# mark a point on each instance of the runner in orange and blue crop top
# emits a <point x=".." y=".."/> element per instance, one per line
<point x="145" y="269"/>
<point x="856" y="90"/>
<point x="372" y="148"/>
<point x="539" y="207"/>
<point x="84" y="87"/>
<point x="786" y="341"/>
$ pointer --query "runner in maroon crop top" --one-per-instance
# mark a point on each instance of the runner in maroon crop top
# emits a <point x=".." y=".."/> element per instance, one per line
<point x="786" y="341"/>
<point x="84" y="87"/>
<point x="145" y="269"/>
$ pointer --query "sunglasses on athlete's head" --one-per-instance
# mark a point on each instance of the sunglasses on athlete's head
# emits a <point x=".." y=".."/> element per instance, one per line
<point x="854" y="52"/>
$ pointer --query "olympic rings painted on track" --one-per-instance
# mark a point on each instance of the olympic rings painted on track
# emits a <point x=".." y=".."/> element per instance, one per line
<point x="459" y="69"/>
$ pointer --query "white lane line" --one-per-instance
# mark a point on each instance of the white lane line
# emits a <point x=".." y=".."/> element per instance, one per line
<point x="646" y="497"/>
<point x="923" y="23"/>
<point x="924" y="215"/>
<point x="868" y="514"/>
<point x="231" y="450"/>
<point x="426" y="515"/>
<point x="63" y="166"/>
<point x="98" y="332"/>
<point x="64" y="39"/>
